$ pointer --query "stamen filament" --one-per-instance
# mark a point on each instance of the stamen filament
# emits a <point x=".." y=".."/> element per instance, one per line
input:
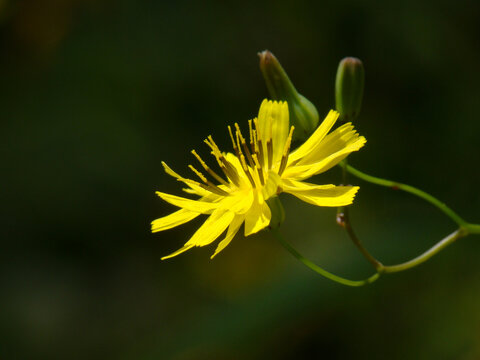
<point x="246" y="170"/>
<point x="244" y="145"/>
<point x="208" y="170"/>
<point x="233" y="141"/>
<point x="239" y="152"/>
<point x="199" y="174"/>
<point x="270" y="153"/>
<point x="214" y="190"/>
<point x="253" y="141"/>
<point x="209" y="185"/>
<point x="261" y="157"/>
<point x="226" y="167"/>
<point x="259" y="169"/>
<point x="250" y="130"/>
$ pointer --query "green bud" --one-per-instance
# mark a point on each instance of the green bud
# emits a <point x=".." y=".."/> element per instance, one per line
<point x="278" y="213"/>
<point x="303" y="114"/>
<point x="349" y="88"/>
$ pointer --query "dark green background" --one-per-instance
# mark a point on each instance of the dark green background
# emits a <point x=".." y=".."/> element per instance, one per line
<point x="94" y="94"/>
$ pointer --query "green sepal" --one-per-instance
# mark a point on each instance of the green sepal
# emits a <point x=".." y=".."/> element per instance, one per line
<point x="303" y="114"/>
<point x="349" y="86"/>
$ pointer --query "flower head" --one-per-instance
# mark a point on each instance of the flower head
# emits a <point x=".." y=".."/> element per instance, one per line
<point x="257" y="171"/>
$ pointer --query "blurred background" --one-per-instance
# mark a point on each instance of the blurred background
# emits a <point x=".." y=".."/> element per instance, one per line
<point x="95" y="94"/>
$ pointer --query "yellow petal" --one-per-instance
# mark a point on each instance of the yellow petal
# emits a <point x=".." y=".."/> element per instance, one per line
<point x="258" y="217"/>
<point x="264" y="123"/>
<point x="239" y="203"/>
<point x="273" y="123"/>
<point x="280" y="129"/>
<point x="313" y="141"/>
<point x="300" y="172"/>
<point x="271" y="186"/>
<point x="294" y="185"/>
<point x="178" y="252"/>
<point x="212" y="228"/>
<point x="233" y="159"/>
<point x="339" y="139"/>
<point x="202" y="207"/>
<point x="232" y="230"/>
<point x="321" y="195"/>
<point x="195" y="189"/>
<point x="170" y="221"/>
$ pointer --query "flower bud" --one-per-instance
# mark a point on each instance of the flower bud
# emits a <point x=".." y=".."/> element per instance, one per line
<point x="278" y="213"/>
<point x="349" y="88"/>
<point x="303" y="114"/>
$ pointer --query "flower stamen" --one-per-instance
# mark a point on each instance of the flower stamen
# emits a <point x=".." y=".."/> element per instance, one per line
<point x="250" y="132"/>
<point x="244" y="145"/>
<point x="247" y="171"/>
<point x="253" y="141"/>
<point x="235" y="148"/>
<point x="208" y="169"/>
<point x="259" y="144"/>
<point x="211" y="186"/>
<point x="199" y="174"/>
<point x="227" y="168"/>
<point x="270" y="153"/>
<point x="259" y="169"/>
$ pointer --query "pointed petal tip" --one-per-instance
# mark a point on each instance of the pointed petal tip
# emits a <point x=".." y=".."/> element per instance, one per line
<point x="178" y="252"/>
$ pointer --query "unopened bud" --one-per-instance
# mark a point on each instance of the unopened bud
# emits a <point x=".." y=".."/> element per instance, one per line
<point x="349" y="88"/>
<point x="278" y="213"/>
<point x="303" y="114"/>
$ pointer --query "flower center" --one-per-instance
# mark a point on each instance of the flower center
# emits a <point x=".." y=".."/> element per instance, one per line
<point x="255" y="159"/>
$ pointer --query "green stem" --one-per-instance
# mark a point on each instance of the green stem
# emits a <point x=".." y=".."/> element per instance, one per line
<point x="473" y="228"/>
<point x="427" y="254"/>
<point x="343" y="219"/>
<point x="412" y="190"/>
<point x="318" y="269"/>
<point x="351" y="233"/>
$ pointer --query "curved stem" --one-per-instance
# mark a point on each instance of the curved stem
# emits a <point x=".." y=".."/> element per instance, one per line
<point x="321" y="271"/>
<point x="412" y="190"/>
<point x="343" y="219"/>
<point x="427" y="254"/>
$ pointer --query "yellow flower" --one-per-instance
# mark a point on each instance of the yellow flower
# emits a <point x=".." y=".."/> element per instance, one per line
<point x="258" y="171"/>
